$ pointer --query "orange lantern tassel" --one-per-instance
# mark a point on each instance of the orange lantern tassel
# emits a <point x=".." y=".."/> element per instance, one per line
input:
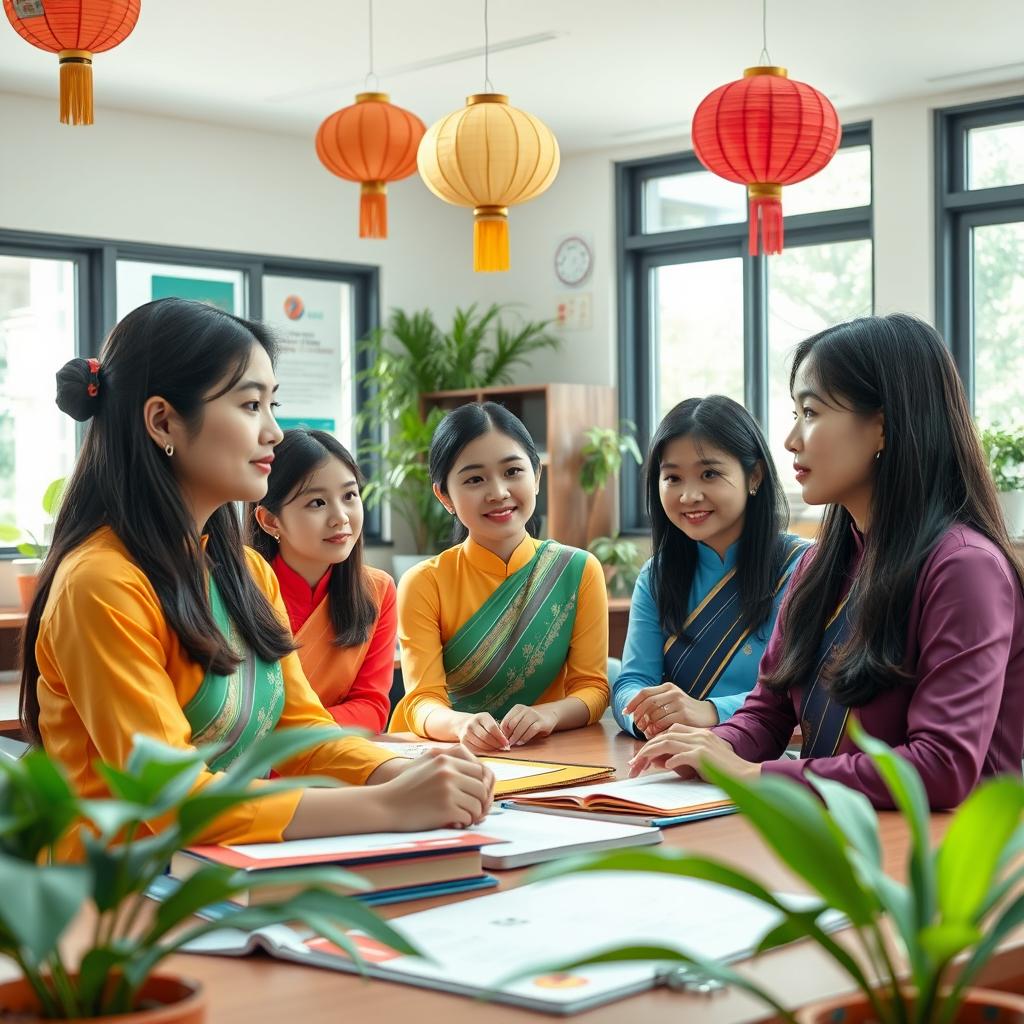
<point x="373" y="209"/>
<point x="766" y="213"/>
<point x="490" y="238"/>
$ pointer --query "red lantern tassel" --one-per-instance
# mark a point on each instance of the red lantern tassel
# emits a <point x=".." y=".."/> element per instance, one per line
<point x="75" y="86"/>
<point x="766" y="215"/>
<point x="373" y="210"/>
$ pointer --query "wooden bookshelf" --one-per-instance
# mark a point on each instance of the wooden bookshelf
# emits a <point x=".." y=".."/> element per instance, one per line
<point x="556" y="415"/>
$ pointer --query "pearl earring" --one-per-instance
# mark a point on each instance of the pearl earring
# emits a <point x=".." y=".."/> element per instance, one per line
<point x="753" y="491"/>
<point x="878" y="454"/>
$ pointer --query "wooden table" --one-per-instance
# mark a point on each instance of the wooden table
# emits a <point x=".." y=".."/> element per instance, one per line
<point x="260" y="990"/>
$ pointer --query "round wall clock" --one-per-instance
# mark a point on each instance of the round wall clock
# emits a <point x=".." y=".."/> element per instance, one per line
<point x="573" y="260"/>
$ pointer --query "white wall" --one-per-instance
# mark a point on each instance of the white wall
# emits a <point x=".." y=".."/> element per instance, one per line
<point x="582" y="199"/>
<point x="156" y="179"/>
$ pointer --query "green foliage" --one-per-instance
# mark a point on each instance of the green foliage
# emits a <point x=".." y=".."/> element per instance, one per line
<point x="122" y="859"/>
<point x="958" y="899"/>
<point x="32" y="547"/>
<point x="412" y="356"/>
<point x="1004" y="451"/>
<point x="622" y="558"/>
<point x="603" y="454"/>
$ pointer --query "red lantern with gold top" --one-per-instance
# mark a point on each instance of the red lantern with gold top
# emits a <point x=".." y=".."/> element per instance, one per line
<point x="372" y="142"/>
<point x="765" y="131"/>
<point x="74" y="30"/>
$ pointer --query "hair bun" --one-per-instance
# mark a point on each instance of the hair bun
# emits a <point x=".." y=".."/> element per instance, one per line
<point x="78" y="391"/>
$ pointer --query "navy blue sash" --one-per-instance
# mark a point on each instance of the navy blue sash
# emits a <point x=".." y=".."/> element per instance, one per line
<point x="714" y="632"/>
<point x="822" y="720"/>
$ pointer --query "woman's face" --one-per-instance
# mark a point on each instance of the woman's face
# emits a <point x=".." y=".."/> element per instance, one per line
<point x="493" y="489"/>
<point x="229" y="457"/>
<point x="704" y="491"/>
<point x="834" y="448"/>
<point x="321" y="523"/>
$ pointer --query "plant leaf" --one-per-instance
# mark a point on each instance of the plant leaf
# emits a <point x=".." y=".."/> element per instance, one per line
<point x="970" y="853"/>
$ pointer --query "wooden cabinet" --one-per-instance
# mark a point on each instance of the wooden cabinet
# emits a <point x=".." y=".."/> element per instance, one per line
<point x="556" y="416"/>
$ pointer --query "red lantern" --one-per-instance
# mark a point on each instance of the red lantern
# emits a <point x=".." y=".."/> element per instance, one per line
<point x="74" y="30"/>
<point x="765" y="131"/>
<point x="372" y="142"/>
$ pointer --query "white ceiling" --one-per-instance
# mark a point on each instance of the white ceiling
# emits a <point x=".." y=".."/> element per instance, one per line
<point x="601" y="73"/>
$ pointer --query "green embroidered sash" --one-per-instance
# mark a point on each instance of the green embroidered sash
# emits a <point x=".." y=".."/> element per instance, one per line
<point x="512" y="649"/>
<point x="714" y="632"/>
<point x="235" y="710"/>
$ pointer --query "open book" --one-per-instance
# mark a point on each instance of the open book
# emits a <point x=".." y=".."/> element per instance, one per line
<point x="513" y="774"/>
<point x="660" y="799"/>
<point x="478" y="944"/>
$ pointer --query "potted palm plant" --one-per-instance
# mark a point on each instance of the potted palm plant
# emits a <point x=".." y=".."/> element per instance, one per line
<point x="121" y="859"/>
<point x="957" y="902"/>
<point x="412" y="356"/>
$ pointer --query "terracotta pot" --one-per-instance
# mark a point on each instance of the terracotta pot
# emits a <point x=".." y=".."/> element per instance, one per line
<point x="164" y="1000"/>
<point x="981" y="1006"/>
<point x="26" y="570"/>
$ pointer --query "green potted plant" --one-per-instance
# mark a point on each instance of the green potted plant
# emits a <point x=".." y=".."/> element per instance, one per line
<point x="601" y="458"/>
<point x="622" y="563"/>
<point x="958" y="900"/>
<point x="123" y="944"/>
<point x="1004" y="450"/>
<point x="30" y="547"/>
<point x="412" y="356"/>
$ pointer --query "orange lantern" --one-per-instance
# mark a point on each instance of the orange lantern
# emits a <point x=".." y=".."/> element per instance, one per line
<point x="489" y="156"/>
<point x="765" y="131"/>
<point x="74" y="30"/>
<point x="372" y="142"/>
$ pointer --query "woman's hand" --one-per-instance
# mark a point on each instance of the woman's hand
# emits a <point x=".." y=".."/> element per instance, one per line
<point x="445" y="788"/>
<point x="481" y="733"/>
<point x="524" y="723"/>
<point x="685" y="750"/>
<point x="656" y="708"/>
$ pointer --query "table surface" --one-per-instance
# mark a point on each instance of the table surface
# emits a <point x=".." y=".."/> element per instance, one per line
<point x="260" y="989"/>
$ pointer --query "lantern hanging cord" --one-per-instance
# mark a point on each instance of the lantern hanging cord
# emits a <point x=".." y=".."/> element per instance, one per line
<point x="488" y="87"/>
<point x="764" y="58"/>
<point x="371" y="73"/>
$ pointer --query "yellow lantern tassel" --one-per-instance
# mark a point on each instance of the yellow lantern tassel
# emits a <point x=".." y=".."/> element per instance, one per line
<point x="75" y="87"/>
<point x="373" y="210"/>
<point x="490" y="238"/>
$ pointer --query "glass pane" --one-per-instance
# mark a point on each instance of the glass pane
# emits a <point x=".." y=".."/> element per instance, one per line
<point x="313" y="322"/>
<point x="37" y="336"/>
<point x="844" y="182"/>
<point x="695" y="200"/>
<point x="997" y="252"/>
<point x="809" y="288"/>
<point x="138" y="283"/>
<point x="697" y="322"/>
<point x="995" y="155"/>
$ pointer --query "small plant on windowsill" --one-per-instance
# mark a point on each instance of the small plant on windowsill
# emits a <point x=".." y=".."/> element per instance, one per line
<point x="125" y="942"/>
<point x="1004" y="451"/>
<point x="29" y="546"/>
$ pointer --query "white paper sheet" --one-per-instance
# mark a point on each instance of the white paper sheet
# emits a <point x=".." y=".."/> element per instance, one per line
<point x="661" y="791"/>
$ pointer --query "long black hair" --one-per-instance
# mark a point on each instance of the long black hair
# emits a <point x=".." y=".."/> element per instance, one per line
<point x="299" y="455"/>
<point x="930" y="475"/>
<point x="465" y="424"/>
<point x="176" y="349"/>
<point x="719" y="422"/>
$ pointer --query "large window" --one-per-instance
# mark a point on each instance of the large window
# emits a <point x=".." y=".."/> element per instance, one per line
<point x="60" y="296"/>
<point x="980" y="245"/>
<point x="698" y="315"/>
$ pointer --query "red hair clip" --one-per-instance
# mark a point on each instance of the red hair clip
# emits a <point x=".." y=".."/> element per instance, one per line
<point x="94" y="377"/>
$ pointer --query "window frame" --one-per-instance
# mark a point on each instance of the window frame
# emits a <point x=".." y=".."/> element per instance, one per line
<point x="637" y="252"/>
<point x="96" y="304"/>
<point x="958" y="210"/>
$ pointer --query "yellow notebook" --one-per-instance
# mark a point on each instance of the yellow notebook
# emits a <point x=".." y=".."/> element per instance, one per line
<point x="513" y="775"/>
